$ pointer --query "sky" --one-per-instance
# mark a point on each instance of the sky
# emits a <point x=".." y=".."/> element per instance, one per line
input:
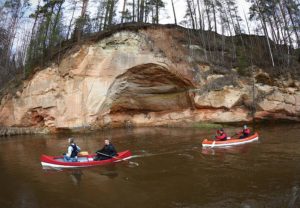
<point x="180" y="9"/>
<point x="167" y="15"/>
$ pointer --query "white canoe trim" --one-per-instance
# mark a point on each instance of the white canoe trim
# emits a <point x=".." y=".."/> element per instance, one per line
<point x="45" y="164"/>
<point x="230" y="144"/>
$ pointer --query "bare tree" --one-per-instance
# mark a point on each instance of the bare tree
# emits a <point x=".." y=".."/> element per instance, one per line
<point x="73" y="3"/>
<point x="81" y="20"/>
<point x="123" y="11"/>
<point x="175" y="19"/>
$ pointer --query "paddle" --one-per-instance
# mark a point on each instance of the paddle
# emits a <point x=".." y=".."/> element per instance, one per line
<point x="132" y="163"/>
<point x="236" y="134"/>
<point x="230" y="137"/>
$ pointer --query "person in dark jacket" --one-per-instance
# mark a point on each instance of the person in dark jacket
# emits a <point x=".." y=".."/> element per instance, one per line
<point x="108" y="151"/>
<point x="73" y="150"/>
<point x="221" y="135"/>
<point x="245" y="132"/>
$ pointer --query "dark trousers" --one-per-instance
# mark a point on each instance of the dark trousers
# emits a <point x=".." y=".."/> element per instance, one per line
<point x="101" y="157"/>
<point x="244" y="136"/>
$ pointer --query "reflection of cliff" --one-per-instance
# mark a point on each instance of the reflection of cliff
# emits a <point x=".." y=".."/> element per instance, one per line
<point x="141" y="79"/>
<point x="25" y="196"/>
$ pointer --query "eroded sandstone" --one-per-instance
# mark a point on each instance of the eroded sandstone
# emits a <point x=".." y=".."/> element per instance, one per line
<point x="133" y="79"/>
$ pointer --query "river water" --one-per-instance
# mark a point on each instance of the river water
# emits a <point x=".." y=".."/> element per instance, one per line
<point x="174" y="171"/>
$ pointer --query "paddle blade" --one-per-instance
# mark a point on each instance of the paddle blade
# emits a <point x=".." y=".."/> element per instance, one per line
<point x="133" y="163"/>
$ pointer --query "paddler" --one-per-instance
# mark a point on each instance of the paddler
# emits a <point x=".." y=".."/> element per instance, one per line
<point x="73" y="150"/>
<point x="221" y="135"/>
<point x="108" y="151"/>
<point x="245" y="132"/>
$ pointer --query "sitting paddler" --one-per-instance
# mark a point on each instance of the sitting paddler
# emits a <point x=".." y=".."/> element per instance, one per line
<point x="73" y="150"/>
<point x="221" y="135"/>
<point x="108" y="151"/>
<point x="245" y="132"/>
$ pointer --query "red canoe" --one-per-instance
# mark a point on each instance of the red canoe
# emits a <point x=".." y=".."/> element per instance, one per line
<point x="229" y="142"/>
<point x="83" y="161"/>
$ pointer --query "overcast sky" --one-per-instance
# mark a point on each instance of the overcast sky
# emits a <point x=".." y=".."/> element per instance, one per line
<point x="180" y="9"/>
<point x="167" y="15"/>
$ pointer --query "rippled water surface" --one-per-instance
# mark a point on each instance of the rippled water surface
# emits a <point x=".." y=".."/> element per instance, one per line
<point x="174" y="171"/>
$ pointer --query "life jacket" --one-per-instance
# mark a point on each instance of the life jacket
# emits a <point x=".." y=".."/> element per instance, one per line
<point x="246" y="132"/>
<point x="74" y="150"/>
<point x="222" y="136"/>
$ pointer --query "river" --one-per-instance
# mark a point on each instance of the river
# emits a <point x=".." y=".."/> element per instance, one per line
<point x="174" y="171"/>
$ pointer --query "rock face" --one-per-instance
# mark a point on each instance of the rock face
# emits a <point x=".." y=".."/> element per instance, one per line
<point x="132" y="79"/>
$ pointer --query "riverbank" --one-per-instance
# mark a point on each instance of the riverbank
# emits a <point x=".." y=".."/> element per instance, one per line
<point x="11" y="131"/>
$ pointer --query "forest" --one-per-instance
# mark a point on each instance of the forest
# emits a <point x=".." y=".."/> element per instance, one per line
<point x="33" y="32"/>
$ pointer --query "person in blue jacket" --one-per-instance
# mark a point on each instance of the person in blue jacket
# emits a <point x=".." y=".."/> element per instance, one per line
<point x="73" y="150"/>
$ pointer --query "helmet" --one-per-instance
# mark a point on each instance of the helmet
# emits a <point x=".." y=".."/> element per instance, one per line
<point x="245" y="126"/>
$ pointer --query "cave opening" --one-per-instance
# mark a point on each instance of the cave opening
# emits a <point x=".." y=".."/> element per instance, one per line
<point x="149" y="88"/>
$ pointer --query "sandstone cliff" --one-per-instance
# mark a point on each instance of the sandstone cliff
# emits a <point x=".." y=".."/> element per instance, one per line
<point x="144" y="78"/>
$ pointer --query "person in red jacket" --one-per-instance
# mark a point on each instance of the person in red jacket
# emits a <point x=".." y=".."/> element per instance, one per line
<point x="245" y="132"/>
<point x="221" y="135"/>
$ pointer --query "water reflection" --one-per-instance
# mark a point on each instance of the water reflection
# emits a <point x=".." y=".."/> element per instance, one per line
<point x="239" y="149"/>
<point x="174" y="171"/>
<point x="76" y="176"/>
<point x="110" y="171"/>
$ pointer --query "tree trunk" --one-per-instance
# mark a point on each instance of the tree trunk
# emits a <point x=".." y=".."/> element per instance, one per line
<point x="240" y="30"/>
<point x="81" y="20"/>
<point x="157" y="11"/>
<point x="133" y="10"/>
<point x="191" y="13"/>
<point x="194" y="14"/>
<point x="123" y="11"/>
<point x="175" y="19"/>
<point x="142" y="8"/>
<point x="12" y="32"/>
<point x="274" y="36"/>
<point x="208" y="16"/>
<point x="277" y="28"/>
<point x="111" y="12"/>
<point x="71" y="20"/>
<point x="138" y="11"/>
<point x="293" y="22"/>
<point x="285" y="23"/>
<point x="55" y="25"/>
<point x="107" y="13"/>
<point x="263" y="22"/>
<point x="231" y="36"/>
<point x="223" y="40"/>
<point x="200" y="16"/>
<point x="201" y="31"/>
<point x="214" y="13"/>
<point x="46" y="32"/>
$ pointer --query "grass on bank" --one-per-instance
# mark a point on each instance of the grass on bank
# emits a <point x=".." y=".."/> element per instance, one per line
<point x="202" y="125"/>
